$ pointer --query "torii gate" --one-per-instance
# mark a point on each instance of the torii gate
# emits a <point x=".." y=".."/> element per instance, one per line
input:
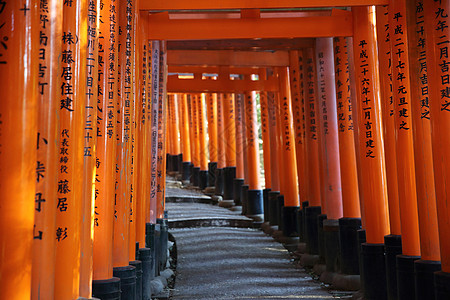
<point x="48" y="53"/>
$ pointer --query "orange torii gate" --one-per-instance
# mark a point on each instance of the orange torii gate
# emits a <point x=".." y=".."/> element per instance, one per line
<point x="100" y="177"/>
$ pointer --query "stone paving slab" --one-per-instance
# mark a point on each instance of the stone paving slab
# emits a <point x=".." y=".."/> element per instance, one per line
<point x="174" y="194"/>
<point x="201" y="215"/>
<point x="238" y="263"/>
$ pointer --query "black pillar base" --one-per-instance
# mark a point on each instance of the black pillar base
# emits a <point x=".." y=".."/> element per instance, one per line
<point x="332" y="244"/>
<point x="279" y="207"/>
<point x="195" y="176"/>
<point x="136" y="254"/>
<point x="212" y="167"/>
<point x="374" y="270"/>
<point x="157" y="249"/>
<point x="321" y="236"/>
<point x="348" y="236"/>
<point x="138" y="265"/>
<point x="168" y="162"/>
<point x="180" y="162"/>
<point x="237" y="186"/>
<point x="176" y="162"/>
<point x="273" y="196"/>
<point x="311" y="229"/>
<point x="442" y="285"/>
<point x="148" y="272"/>
<point x="219" y="182"/>
<point x="229" y="174"/>
<point x="301" y="221"/>
<point x="186" y="170"/>
<point x="106" y="289"/>
<point x="152" y="232"/>
<point x="127" y="275"/>
<point x="290" y="221"/>
<point x="266" y="204"/>
<point x="203" y="179"/>
<point x="255" y="206"/>
<point x="244" y="199"/>
<point x="150" y="235"/>
<point x="191" y="178"/>
<point x="424" y="278"/>
<point x="361" y="240"/>
<point x="162" y="243"/>
<point x="405" y="277"/>
<point x="393" y="247"/>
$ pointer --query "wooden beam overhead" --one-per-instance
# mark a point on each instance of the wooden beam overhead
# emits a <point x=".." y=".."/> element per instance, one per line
<point x="224" y="85"/>
<point x="163" y="28"/>
<point x="214" y="70"/>
<point x="164" y="5"/>
<point x="227" y="58"/>
<point x="178" y="15"/>
<point x="241" y="44"/>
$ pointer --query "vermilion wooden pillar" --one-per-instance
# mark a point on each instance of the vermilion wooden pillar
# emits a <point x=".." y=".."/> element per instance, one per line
<point x="239" y="180"/>
<point x="404" y="131"/>
<point x="385" y="59"/>
<point x="349" y="178"/>
<point x="221" y="160"/>
<point x="106" y="149"/>
<point x="263" y="100"/>
<point x="47" y="167"/>
<point x="274" y="162"/>
<point x="278" y="141"/>
<point x="373" y="190"/>
<point x="211" y="109"/>
<point x="423" y="155"/>
<point x="203" y="174"/>
<point x="172" y="135"/>
<point x="162" y="121"/>
<point x="156" y="113"/>
<point x="185" y="137"/>
<point x="121" y="237"/>
<point x="18" y="72"/>
<point x="229" y="173"/>
<point x="89" y="152"/>
<point x="155" y="136"/>
<point x="331" y="186"/>
<point x="169" y="134"/>
<point x="161" y="216"/>
<point x="121" y="217"/>
<point x="244" y="143"/>
<point x="351" y="221"/>
<point x="329" y="146"/>
<point x="176" y="160"/>
<point x="255" y="197"/>
<point x="298" y="110"/>
<point x="312" y="136"/>
<point x="355" y="110"/>
<point x="279" y="138"/>
<point x="190" y="106"/>
<point x="266" y="138"/>
<point x="312" y="128"/>
<point x="70" y="177"/>
<point x="393" y="240"/>
<point x="289" y="175"/>
<point x="437" y="44"/>
<point x="405" y="149"/>
<point x="141" y="136"/>
<point x="135" y="62"/>
<point x="196" y="140"/>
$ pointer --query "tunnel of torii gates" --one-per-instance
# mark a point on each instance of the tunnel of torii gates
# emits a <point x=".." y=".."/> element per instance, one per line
<point x="99" y="96"/>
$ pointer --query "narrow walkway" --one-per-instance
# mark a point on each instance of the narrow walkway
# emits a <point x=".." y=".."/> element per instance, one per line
<point x="233" y="263"/>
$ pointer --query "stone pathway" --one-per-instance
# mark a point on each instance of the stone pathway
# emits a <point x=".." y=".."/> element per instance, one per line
<point x="233" y="263"/>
